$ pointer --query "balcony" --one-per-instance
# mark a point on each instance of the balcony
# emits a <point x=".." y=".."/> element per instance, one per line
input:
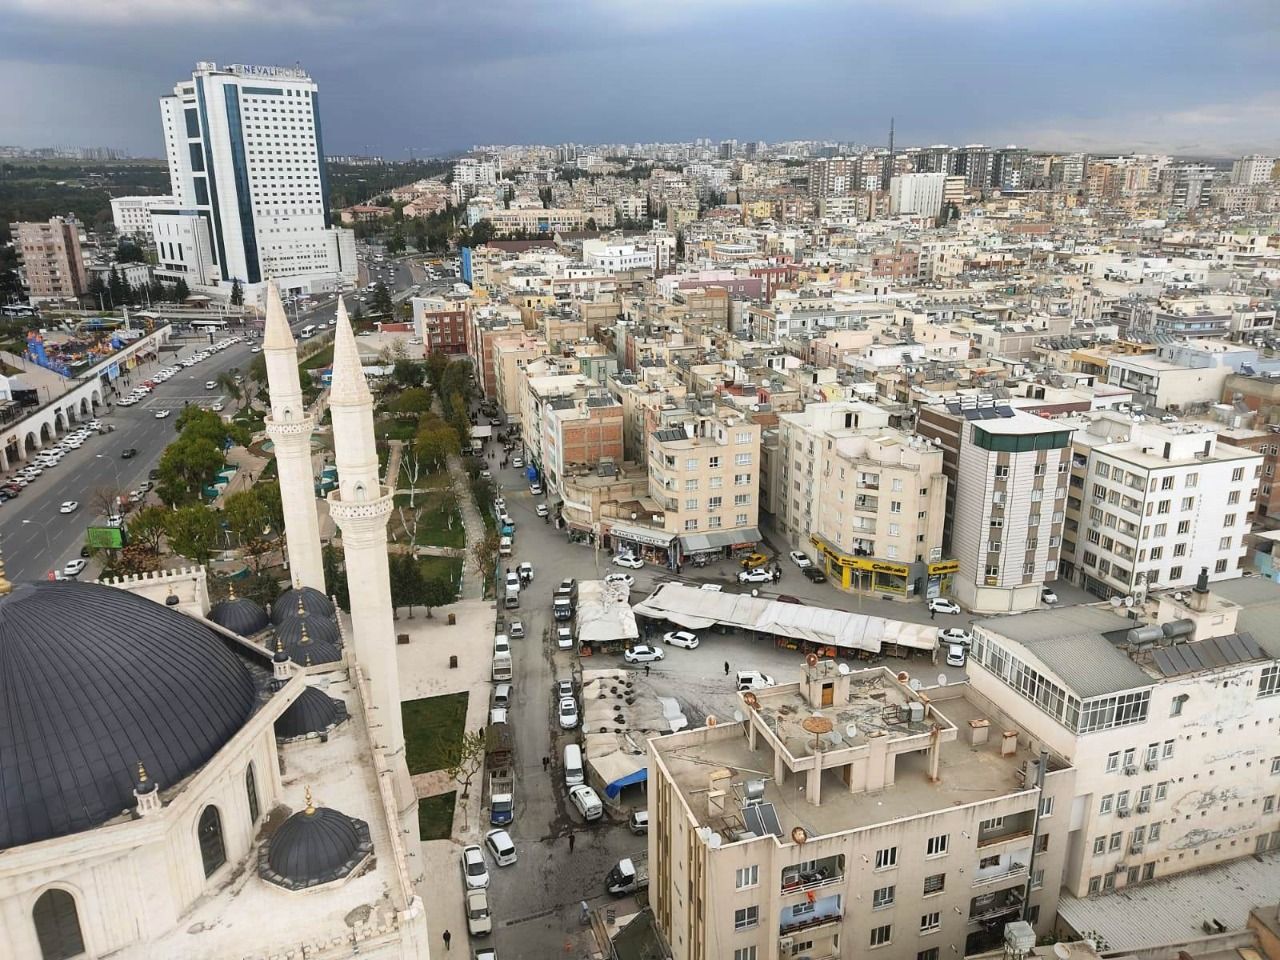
<point x="866" y="503"/>
<point x="1005" y="829"/>
<point x="1016" y="871"/>
<point x="988" y="906"/>
<point x="789" y="928"/>
<point x="813" y="876"/>
<point x="868" y="483"/>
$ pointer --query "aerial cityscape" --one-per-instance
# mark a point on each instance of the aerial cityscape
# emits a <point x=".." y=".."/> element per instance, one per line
<point x="816" y="505"/>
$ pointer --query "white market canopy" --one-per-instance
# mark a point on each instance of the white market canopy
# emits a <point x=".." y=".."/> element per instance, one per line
<point x="696" y="609"/>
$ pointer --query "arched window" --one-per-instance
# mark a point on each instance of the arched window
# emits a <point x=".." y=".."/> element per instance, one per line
<point x="57" y="926"/>
<point x="212" y="850"/>
<point x="251" y="788"/>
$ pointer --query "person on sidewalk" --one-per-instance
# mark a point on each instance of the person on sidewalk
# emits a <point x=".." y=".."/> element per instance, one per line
<point x="726" y="668"/>
<point x="447" y="937"/>
<point x="571" y="836"/>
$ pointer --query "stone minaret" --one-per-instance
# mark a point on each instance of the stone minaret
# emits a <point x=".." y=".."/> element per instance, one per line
<point x="361" y="507"/>
<point x="290" y="428"/>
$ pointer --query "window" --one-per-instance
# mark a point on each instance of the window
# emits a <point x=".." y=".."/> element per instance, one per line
<point x="1275" y="765"/>
<point x="212" y="851"/>
<point x="1268" y="804"/>
<point x="987" y="862"/>
<point x="741" y="479"/>
<point x="882" y="898"/>
<point x="1269" y="682"/>
<point x="1037" y="880"/>
<point x="1162" y="790"/>
<point x="691" y="504"/>
<point x="1167" y="752"/>
<point x="741" y="499"/>
<point x="1042" y="843"/>
<point x="930" y="922"/>
<point x="1116" y="839"/>
<point x="251" y="789"/>
<point x="1099" y="846"/>
<point x="1113" y="762"/>
<point x="747" y="876"/>
<point x="1189" y="503"/>
<point x="935" y="883"/>
<point x="714" y="463"/>
<point x="1046" y="806"/>
<point x="691" y="524"/>
<point x="1105" y="805"/>
<point x="936" y="846"/>
<point x="745" y="953"/>
<point x="1153" y="833"/>
<point x="881" y="935"/>
<point x="57" y="925"/>
<point x="691" y="464"/>
<point x="742" y="459"/>
<point x="746" y="917"/>
<point x="743" y="437"/>
<point x="739" y="519"/>
<point x="1175" y="707"/>
<point x="1095" y="885"/>
<point x="888" y="857"/>
<point x="1237" y="474"/>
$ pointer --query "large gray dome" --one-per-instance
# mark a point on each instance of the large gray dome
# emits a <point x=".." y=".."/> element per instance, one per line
<point x="313" y="712"/>
<point x="94" y="680"/>
<point x="310" y="636"/>
<point x="311" y="600"/>
<point x="240" y="615"/>
<point x="314" y="846"/>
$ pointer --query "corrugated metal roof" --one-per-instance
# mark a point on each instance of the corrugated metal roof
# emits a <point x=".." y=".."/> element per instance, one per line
<point x="1170" y="911"/>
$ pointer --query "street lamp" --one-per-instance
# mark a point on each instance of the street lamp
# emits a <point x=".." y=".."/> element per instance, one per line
<point x="103" y="456"/>
<point x="45" y="530"/>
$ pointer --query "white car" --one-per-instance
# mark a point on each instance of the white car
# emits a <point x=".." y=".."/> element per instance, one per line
<point x="626" y="579"/>
<point x="801" y="560"/>
<point x="628" y="561"/>
<point x="957" y="655"/>
<point x="74" y="568"/>
<point x="564" y="638"/>
<point x="752" y="680"/>
<point x="526" y="571"/>
<point x="211" y="384"/>
<point x="954" y="635"/>
<point x="943" y="605"/>
<point x="69" y="506"/>
<point x="643" y="653"/>
<point x="479" y="919"/>
<point x="568" y="713"/>
<point x="500" y="847"/>
<point x="517" y="462"/>
<point x="1048" y="596"/>
<point x="758" y="575"/>
<point x="474" y="872"/>
<point x="535" y="489"/>
<point x="540" y="509"/>
<point x="161" y="414"/>
<point x="587" y="801"/>
<point x="681" y="638"/>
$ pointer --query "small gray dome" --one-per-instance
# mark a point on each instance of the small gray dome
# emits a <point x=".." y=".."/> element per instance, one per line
<point x="313" y="712"/>
<point x="314" y="846"/>
<point x="310" y="635"/>
<point x="240" y="615"/>
<point x="312" y="601"/>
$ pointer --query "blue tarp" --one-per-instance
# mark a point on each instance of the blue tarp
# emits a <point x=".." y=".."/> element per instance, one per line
<point x="613" y="789"/>
<point x="531" y="472"/>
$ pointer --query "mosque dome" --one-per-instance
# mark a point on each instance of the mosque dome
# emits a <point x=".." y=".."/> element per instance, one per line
<point x="314" y="846"/>
<point x="94" y="681"/>
<point x="313" y="712"/>
<point x="240" y="615"/>
<point x="309" y="599"/>
<point x="310" y="636"/>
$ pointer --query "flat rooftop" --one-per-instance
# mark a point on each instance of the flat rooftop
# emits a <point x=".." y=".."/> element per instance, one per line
<point x="967" y="774"/>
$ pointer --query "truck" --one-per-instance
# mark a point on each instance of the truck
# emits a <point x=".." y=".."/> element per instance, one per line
<point x="629" y="875"/>
<point x="499" y="762"/>
<point x="500" y="671"/>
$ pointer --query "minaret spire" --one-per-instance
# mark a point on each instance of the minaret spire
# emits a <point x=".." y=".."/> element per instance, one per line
<point x="290" y="429"/>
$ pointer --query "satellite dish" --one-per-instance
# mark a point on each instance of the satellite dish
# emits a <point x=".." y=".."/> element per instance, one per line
<point x="914" y="684"/>
<point x="799" y="835"/>
<point x="714" y="841"/>
<point x="851" y="731"/>
<point x="811" y="659"/>
<point x="737" y="716"/>
<point x="1061" y="951"/>
<point x="843" y="669"/>
<point x="704" y="834"/>
<point x="712" y="721"/>
<point x="1116" y="601"/>
<point x="942" y="679"/>
<point x="1128" y="601"/>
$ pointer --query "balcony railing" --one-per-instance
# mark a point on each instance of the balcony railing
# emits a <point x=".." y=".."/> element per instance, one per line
<point x="1015" y="834"/>
<point x="1018" y="870"/>
<point x="809" y="923"/>
<point x="1006" y="905"/>
<point x="798" y="887"/>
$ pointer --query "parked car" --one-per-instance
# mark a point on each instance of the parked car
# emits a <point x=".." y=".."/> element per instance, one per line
<point x="515" y="629"/>
<point x="752" y="680"/>
<point x="474" y="872"/>
<point x="479" y="919"/>
<point x="753" y="560"/>
<point x="75" y="567"/>
<point x="957" y="655"/>
<point x="564" y="688"/>
<point x="564" y="638"/>
<point x="681" y="638"/>
<point x="639" y="822"/>
<point x="943" y="605"/>
<point x="628" y="561"/>
<point x="568" y="713"/>
<point x="535" y="489"/>
<point x="643" y="653"/>
<point x="517" y="462"/>
<point x="815" y="575"/>
<point x="587" y="801"/>
<point x="758" y="575"/>
<point x="526" y="572"/>
<point x="500" y="847"/>
<point x="540" y="509"/>
<point x="801" y="560"/>
<point x="1048" y="596"/>
<point x="954" y="635"/>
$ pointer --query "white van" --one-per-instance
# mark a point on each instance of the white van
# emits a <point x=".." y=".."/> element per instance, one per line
<point x="307" y="332"/>
<point x="504" y="547"/>
<point x="572" y="765"/>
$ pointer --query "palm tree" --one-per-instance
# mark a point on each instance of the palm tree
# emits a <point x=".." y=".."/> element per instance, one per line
<point x="227" y="383"/>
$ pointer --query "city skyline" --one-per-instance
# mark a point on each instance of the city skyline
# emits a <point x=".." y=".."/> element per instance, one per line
<point x="1158" y="77"/>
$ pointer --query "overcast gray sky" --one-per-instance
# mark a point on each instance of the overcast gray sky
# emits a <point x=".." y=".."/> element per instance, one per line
<point x="1147" y="75"/>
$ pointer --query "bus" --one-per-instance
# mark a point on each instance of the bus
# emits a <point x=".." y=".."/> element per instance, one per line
<point x="307" y="332"/>
<point x="204" y="326"/>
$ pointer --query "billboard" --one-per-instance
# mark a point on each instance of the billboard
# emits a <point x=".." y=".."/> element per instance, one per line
<point x="105" y="538"/>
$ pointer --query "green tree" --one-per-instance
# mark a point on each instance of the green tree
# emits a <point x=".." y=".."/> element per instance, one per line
<point x="413" y="401"/>
<point x="195" y="421"/>
<point x="193" y="532"/>
<point x="99" y="294"/>
<point x="408" y="373"/>
<point x="591" y="224"/>
<point x="406" y="582"/>
<point x="184" y="467"/>
<point x="420" y="235"/>
<point x="335" y="576"/>
<point x="181" y="291"/>
<point x="147" y="527"/>
<point x="381" y="302"/>
<point x="128" y="251"/>
<point x="437" y="364"/>
<point x="227" y="383"/>
<point x="237" y="293"/>
<point x="268" y="492"/>
<point x="437" y="592"/>
<point x="248" y="518"/>
<point x="116" y="287"/>
<point x="436" y="441"/>
<point x="485" y="554"/>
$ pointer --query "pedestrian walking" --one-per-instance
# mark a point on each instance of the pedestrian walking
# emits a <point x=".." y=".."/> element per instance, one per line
<point x="726" y="668"/>
<point x="571" y="836"/>
<point x="446" y="937"/>
<point x="546" y="762"/>
<point x="646" y="669"/>
<point x="932" y="613"/>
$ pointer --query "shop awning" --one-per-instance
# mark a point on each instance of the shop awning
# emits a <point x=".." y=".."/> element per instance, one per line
<point x="716" y="539"/>
<point x="645" y="535"/>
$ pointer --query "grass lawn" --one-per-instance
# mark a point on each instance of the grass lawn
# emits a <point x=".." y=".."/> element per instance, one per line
<point x="434" y="527"/>
<point x="322" y="358"/>
<point x="435" y="816"/>
<point x="450" y="567"/>
<point x="393" y="429"/>
<point x="432" y="726"/>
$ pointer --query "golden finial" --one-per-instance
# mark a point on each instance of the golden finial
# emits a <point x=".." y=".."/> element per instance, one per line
<point x="305" y="638"/>
<point x="306" y="661"/>
<point x="310" y="806"/>
<point x="142" y="773"/>
<point x="5" y="585"/>
<point x="302" y="611"/>
<point x="231" y="590"/>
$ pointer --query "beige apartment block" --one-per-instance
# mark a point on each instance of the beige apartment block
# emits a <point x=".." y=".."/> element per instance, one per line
<point x="1169" y="721"/>
<point x="484" y="333"/>
<point x="51" y="259"/>
<point x="540" y="382"/>
<point x="578" y="434"/>
<point x="511" y="354"/>
<point x="852" y="815"/>
<point x="866" y="501"/>
<point x="645" y="393"/>
<point x="704" y="474"/>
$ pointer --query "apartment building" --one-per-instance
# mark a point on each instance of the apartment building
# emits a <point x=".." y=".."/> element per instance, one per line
<point x="538" y="220"/>
<point x="539" y="382"/>
<point x="132" y="215"/>
<point x="847" y="815"/>
<point x="1007" y="474"/>
<point x="442" y="322"/>
<point x="486" y="327"/>
<point x="644" y="394"/>
<point x="917" y="193"/>
<point x="511" y="354"/>
<point x="1170" y="726"/>
<point x="704" y="474"/>
<point x="614" y="258"/>
<point x="865" y="500"/>
<point x="1253" y="170"/>
<point x="1150" y="504"/>
<point x="578" y="433"/>
<point x="52" y="261"/>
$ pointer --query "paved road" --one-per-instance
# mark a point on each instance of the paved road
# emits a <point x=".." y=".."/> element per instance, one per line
<point x="47" y="539"/>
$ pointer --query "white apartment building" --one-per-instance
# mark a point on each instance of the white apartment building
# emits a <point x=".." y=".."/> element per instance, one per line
<point x="614" y="258"/>
<point x="849" y="816"/>
<point x="1170" y="727"/>
<point x="864" y="500"/>
<point x="1252" y="170"/>
<point x="1151" y="504"/>
<point x="917" y="193"/>
<point x="472" y="175"/>
<point x="132" y="215"/>
<point x="1009" y="471"/>
<point x="246" y="158"/>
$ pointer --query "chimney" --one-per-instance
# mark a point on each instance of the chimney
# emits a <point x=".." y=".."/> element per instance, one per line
<point x="1200" y="593"/>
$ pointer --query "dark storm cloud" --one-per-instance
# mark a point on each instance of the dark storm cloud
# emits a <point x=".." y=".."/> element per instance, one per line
<point x="395" y="76"/>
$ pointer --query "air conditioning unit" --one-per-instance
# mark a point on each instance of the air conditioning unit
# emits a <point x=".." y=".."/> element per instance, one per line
<point x="1152" y="764"/>
<point x="1122" y="812"/>
<point x="1131" y="770"/>
<point x="1135" y="847"/>
<point x="1122" y="867"/>
<point x="1144" y="807"/>
<point x="784" y="944"/>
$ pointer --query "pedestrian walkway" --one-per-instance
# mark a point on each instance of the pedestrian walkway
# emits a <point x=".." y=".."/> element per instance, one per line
<point x="392" y="478"/>
<point x="473" y="523"/>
